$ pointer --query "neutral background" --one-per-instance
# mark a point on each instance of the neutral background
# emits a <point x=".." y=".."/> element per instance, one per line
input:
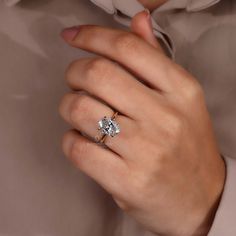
<point x="41" y="193"/>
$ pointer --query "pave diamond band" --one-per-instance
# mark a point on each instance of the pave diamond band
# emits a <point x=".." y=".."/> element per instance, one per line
<point x="108" y="126"/>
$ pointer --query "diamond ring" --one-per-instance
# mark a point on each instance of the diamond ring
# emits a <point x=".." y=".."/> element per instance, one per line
<point x="108" y="126"/>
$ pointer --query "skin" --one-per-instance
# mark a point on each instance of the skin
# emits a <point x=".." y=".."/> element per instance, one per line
<point x="152" y="4"/>
<point x="165" y="167"/>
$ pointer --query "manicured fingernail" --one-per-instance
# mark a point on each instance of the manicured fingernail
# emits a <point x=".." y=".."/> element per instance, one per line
<point x="69" y="34"/>
<point x="147" y="13"/>
<point x="148" y="16"/>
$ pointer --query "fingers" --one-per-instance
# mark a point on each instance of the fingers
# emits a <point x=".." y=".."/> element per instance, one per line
<point x="126" y="48"/>
<point x="104" y="166"/>
<point x="141" y="25"/>
<point x="112" y="84"/>
<point x="83" y="113"/>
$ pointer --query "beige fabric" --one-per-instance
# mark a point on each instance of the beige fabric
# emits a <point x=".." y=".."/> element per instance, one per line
<point x="11" y="2"/>
<point x="120" y="9"/>
<point x="41" y="193"/>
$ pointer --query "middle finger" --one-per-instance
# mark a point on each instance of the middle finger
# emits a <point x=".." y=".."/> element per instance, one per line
<point x="114" y="85"/>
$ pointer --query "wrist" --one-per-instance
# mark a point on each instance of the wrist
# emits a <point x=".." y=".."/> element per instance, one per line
<point x="202" y="216"/>
<point x="208" y="220"/>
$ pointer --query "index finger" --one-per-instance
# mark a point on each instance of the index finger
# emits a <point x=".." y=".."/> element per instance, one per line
<point x="128" y="49"/>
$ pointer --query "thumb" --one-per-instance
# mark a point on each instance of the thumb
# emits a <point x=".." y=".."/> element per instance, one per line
<point x="141" y="25"/>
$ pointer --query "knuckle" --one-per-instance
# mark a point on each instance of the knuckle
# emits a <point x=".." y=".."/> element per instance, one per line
<point x="126" y="43"/>
<point x="71" y="70"/>
<point x="79" y="108"/>
<point x="193" y="90"/>
<point x="97" y="69"/>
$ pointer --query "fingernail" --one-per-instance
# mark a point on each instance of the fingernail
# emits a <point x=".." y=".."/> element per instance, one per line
<point x="147" y="13"/>
<point x="148" y="16"/>
<point x="69" y="34"/>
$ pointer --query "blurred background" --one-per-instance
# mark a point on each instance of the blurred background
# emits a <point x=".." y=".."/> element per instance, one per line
<point x="41" y="193"/>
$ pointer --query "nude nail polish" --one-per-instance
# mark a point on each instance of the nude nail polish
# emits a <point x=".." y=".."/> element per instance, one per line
<point x="148" y="15"/>
<point x="69" y="34"/>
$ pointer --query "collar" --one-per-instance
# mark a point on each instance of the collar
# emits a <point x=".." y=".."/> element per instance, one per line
<point x="198" y="5"/>
<point x="121" y="9"/>
<point x="110" y="6"/>
<point x="131" y="6"/>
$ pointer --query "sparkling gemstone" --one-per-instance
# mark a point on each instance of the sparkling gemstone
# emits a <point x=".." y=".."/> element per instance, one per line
<point x="109" y="127"/>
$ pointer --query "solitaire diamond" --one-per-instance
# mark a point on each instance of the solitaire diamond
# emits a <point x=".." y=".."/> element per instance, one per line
<point x="108" y="126"/>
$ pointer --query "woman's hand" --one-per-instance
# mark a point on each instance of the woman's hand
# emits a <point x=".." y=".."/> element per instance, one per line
<point x="164" y="168"/>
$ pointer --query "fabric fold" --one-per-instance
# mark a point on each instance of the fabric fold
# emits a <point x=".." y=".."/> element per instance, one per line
<point x="198" y="5"/>
<point x="224" y="222"/>
<point x="124" y="10"/>
<point x="106" y="5"/>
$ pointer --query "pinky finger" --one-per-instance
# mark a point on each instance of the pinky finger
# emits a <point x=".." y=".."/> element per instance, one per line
<point x="105" y="167"/>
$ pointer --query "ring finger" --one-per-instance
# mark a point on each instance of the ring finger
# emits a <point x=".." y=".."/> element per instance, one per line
<point x="83" y="112"/>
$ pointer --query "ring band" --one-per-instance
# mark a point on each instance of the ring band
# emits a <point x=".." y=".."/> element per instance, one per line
<point x="108" y="126"/>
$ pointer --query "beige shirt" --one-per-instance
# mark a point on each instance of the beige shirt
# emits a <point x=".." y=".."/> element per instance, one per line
<point x="41" y="193"/>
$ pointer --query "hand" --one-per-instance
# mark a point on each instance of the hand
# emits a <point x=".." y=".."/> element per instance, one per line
<point x="164" y="168"/>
